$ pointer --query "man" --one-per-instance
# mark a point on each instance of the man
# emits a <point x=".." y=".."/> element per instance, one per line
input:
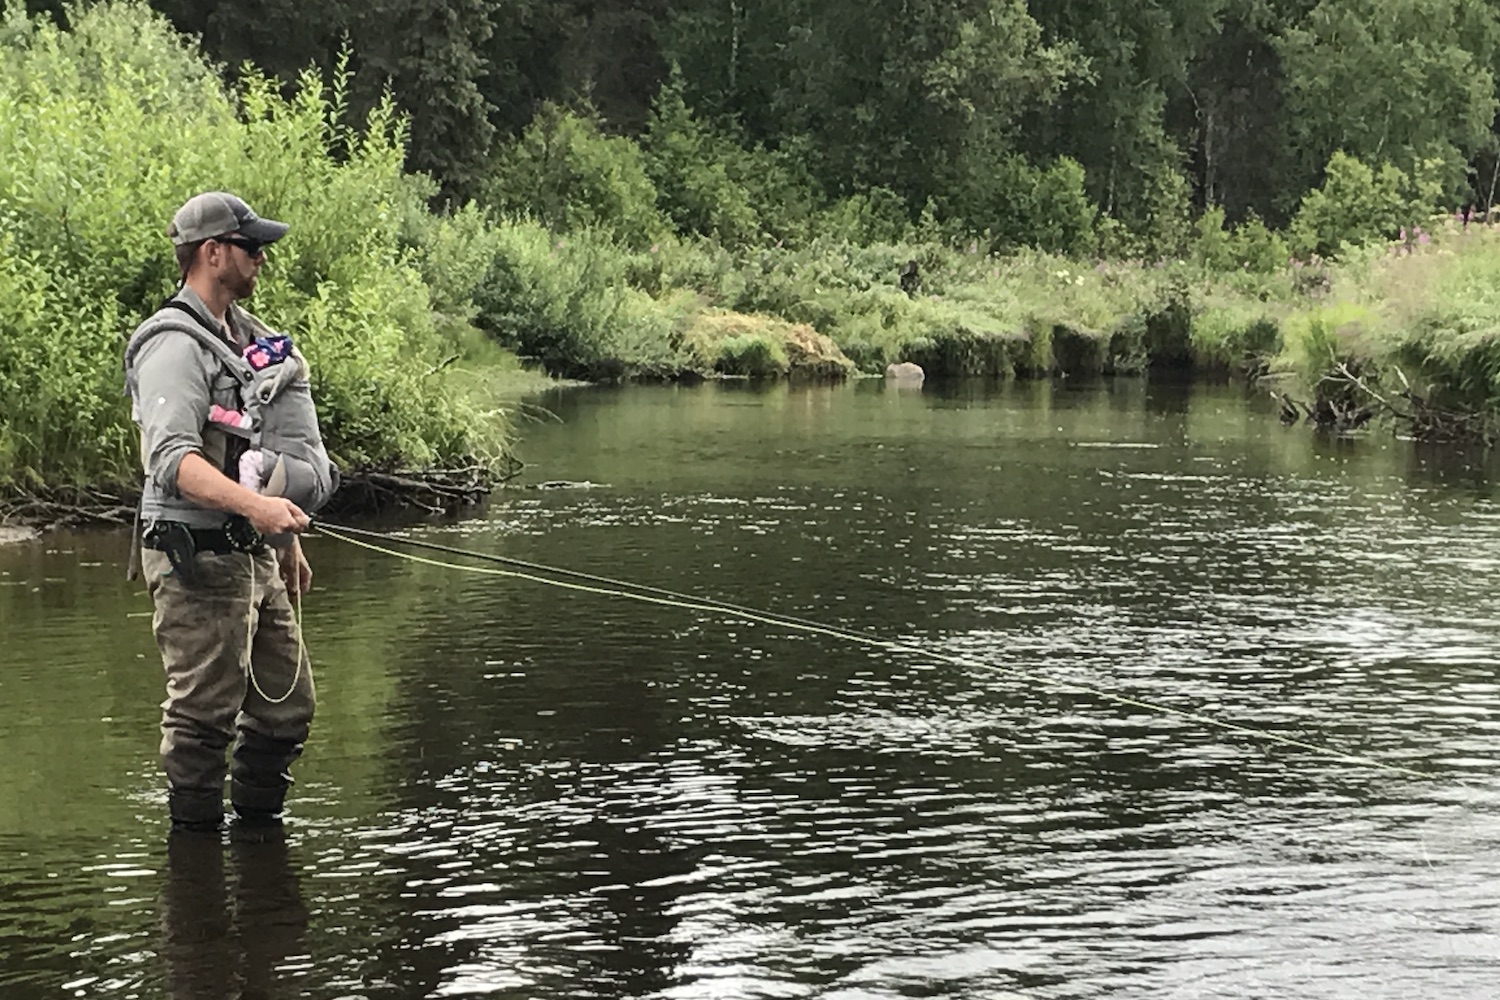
<point x="236" y="669"/>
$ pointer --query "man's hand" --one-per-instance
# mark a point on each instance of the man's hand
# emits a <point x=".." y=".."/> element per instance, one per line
<point x="295" y="571"/>
<point x="277" y="516"/>
<point x="206" y="486"/>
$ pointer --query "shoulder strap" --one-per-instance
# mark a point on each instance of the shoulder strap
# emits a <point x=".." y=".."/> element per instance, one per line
<point x="217" y="345"/>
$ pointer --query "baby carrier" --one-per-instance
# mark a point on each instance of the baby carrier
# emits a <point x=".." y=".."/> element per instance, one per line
<point x="276" y="420"/>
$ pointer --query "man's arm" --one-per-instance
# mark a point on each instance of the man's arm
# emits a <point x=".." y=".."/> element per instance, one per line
<point x="206" y="486"/>
<point x="172" y="402"/>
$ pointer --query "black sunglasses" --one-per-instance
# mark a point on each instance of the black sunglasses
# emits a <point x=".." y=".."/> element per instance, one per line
<point x="251" y="247"/>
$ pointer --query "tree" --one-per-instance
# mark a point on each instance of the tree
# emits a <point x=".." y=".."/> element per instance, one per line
<point x="430" y="53"/>
<point x="1388" y="81"/>
<point x="1113" y="121"/>
<point x="885" y="92"/>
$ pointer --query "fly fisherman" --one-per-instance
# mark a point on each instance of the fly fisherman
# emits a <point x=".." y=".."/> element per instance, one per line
<point x="233" y="464"/>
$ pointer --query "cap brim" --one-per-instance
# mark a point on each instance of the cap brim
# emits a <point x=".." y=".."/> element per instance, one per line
<point x="264" y="230"/>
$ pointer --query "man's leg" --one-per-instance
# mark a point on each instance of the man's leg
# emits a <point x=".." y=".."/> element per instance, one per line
<point x="278" y="706"/>
<point x="202" y="629"/>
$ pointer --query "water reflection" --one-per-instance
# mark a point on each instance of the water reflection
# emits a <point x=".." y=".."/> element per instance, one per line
<point x="232" y="931"/>
<point x="1167" y="396"/>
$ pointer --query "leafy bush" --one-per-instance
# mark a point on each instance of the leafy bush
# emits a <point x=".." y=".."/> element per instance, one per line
<point x="687" y="162"/>
<point x="1018" y="205"/>
<point x="1359" y="205"/>
<point x="876" y="216"/>
<point x="454" y="253"/>
<point x="1249" y="246"/>
<point x="710" y="185"/>
<point x="564" y="302"/>
<point x="566" y="173"/>
<point x="118" y="120"/>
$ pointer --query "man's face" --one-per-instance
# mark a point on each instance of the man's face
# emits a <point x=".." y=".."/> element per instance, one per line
<point x="235" y="261"/>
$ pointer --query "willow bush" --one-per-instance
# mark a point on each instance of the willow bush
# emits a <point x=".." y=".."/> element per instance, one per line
<point x="106" y="128"/>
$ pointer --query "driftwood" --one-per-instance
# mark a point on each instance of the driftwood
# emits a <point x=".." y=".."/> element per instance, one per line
<point x="68" y="508"/>
<point x="436" y="491"/>
<point x="1340" y="403"/>
<point x="1345" y="400"/>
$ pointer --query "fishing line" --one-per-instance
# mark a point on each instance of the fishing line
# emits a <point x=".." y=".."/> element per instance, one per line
<point x="296" y="602"/>
<point x="609" y="587"/>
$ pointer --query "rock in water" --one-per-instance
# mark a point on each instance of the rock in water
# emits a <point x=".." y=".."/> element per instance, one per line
<point x="905" y="372"/>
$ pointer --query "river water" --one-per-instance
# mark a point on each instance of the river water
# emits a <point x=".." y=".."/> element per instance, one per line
<point x="525" y="792"/>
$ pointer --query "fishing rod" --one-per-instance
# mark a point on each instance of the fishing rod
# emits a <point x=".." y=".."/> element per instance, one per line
<point x="608" y="586"/>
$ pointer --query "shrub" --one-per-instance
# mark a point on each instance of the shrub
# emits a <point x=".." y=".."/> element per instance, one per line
<point x="876" y="216"/>
<point x="711" y="185"/>
<point x="121" y="120"/>
<point x="1359" y="204"/>
<point x="691" y="166"/>
<point x="1249" y="247"/>
<point x="1020" y="205"/>
<point x="566" y="173"/>
<point x="564" y="302"/>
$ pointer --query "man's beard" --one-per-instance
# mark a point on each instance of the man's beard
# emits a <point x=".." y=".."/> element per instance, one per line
<point x="241" y="286"/>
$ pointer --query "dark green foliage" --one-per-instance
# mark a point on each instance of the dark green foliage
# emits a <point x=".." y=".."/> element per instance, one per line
<point x="565" y="172"/>
<point x="1075" y="126"/>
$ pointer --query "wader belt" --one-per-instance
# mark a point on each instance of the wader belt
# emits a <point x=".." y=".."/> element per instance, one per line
<point x="181" y="542"/>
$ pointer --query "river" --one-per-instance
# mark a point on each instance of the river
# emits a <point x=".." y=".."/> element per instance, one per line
<point x="520" y="791"/>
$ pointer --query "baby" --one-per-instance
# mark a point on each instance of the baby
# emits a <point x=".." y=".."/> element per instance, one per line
<point x="262" y="354"/>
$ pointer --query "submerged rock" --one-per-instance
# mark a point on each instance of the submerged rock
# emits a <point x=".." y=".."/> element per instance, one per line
<point x="905" y="372"/>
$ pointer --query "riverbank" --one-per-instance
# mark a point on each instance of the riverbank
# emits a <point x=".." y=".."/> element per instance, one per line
<point x="1395" y="333"/>
<point x="418" y="323"/>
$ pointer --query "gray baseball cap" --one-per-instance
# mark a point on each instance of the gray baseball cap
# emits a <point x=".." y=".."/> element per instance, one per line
<point x="218" y="213"/>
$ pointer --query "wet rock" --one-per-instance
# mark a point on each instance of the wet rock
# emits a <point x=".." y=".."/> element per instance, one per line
<point x="905" y="372"/>
<point x="10" y="534"/>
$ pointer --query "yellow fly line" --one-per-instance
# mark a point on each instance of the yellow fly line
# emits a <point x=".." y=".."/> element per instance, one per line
<point x="622" y="589"/>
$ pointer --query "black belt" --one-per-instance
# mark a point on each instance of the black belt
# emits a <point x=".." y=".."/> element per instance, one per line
<point x="164" y="536"/>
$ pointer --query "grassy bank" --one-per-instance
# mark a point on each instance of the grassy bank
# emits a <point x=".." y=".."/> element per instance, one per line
<point x="1417" y="317"/>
